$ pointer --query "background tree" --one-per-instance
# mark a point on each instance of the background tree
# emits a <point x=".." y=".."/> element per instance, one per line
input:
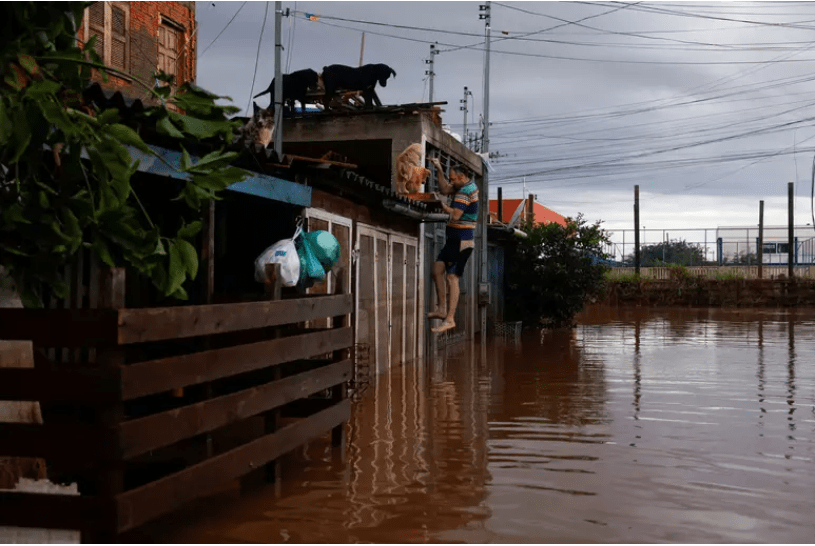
<point x="676" y="252"/>
<point x="65" y="168"/>
<point x="742" y="258"/>
<point x="551" y="273"/>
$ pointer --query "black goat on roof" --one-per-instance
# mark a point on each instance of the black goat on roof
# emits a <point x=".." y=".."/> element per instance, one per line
<point x="295" y="87"/>
<point x="364" y="78"/>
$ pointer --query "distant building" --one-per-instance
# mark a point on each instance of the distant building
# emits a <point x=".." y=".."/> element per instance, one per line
<point x="541" y="214"/>
<point x="141" y="38"/>
<point x="739" y="244"/>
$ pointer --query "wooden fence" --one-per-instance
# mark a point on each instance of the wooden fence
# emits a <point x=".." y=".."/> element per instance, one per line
<point x="142" y="382"/>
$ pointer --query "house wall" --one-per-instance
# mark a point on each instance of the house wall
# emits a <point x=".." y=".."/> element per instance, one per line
<point x="145" y="18"/>
<point x="402" y="130"/>
<point x="383" y="277"/>
<point x="368" y="130"/>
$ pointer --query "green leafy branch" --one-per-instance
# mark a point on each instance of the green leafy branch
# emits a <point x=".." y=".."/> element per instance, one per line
<point x="66" y="169"/>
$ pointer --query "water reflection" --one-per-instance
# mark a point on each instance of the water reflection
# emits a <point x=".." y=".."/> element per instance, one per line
<point x="419" y="459"/>
<point x="637" y="426"/>
<point x="637" y="371"/>
<point x="760" y="374"/>
<point x="791" y="377"/>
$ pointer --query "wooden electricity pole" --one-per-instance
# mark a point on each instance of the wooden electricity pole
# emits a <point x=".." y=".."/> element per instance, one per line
<point x="637" y="230"/>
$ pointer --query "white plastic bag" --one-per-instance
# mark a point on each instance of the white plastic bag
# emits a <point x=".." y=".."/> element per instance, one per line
<point x="284" y="253"/>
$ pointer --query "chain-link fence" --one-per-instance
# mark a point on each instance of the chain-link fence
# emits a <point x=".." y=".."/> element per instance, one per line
<point x="722" y="246"/>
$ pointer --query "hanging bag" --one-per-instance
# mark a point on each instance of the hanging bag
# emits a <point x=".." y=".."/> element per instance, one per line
<point x="283" y="252"/>
<point x="319" y="251"/>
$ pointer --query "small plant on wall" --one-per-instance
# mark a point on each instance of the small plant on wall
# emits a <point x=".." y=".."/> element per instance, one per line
<point x="65" y="168"/>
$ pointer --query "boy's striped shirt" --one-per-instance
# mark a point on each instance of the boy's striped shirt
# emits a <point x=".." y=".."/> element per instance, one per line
<point x="466" y="200"/>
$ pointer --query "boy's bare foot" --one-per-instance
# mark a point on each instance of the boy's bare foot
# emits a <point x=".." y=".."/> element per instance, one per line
<point x="446" y="325"/>
<point x="436" y="315"/>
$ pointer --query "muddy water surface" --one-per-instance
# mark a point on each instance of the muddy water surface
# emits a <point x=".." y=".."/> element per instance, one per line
<point x="637" y="426"/>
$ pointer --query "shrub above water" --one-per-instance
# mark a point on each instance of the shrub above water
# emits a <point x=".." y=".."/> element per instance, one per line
<point x="554" y="271"/>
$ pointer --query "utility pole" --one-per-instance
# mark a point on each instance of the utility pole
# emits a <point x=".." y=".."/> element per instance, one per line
<point x="761" y="239"/>
<point x="278" y="81"/>
<point x="790" y="230"/>
<point x="484" y="287"/>
<point x="361" y="49"/>
<point x="465" y="109"/>
<point x="637" y="230"/>
<point x="431" y="73"/>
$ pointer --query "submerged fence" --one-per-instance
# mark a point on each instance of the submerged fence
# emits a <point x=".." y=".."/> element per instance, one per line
<point x="149" y="408"/>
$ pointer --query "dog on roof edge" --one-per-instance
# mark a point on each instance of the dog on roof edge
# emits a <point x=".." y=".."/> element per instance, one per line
<point x="410" y="170"/>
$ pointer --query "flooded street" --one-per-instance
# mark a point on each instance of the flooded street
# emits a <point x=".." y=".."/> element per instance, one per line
<point x="637" y="426"/>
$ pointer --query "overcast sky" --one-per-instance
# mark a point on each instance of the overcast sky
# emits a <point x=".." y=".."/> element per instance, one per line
<point x="708" y="106"/>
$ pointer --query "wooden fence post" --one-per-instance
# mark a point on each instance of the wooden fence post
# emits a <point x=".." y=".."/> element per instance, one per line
<point x="637" y="230"/>
<point x="108" y="479"/>
<point x="271" y="419"/>
<point x="790" y="231"/>
<point x="340" y="392"/>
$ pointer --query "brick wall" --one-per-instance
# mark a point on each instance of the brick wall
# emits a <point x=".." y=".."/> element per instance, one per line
<point x="145" y="19"/>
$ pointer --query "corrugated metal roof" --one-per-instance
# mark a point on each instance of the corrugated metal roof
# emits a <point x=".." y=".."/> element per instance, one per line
<point x="167" y="163"/>
<point x="271" y="178"/>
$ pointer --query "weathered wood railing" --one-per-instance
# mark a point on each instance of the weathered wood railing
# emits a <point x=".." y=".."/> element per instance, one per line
<point x="255" y="359"/>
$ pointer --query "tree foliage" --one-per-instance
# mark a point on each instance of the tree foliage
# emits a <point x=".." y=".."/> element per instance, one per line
<point x="676" y="252"/>
<point x="66" y="168"/>
<point x="554" y="270"/>
<point x="741" y="258"/>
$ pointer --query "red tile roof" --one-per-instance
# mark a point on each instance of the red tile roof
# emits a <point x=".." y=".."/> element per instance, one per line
<point x="543" y="215"/>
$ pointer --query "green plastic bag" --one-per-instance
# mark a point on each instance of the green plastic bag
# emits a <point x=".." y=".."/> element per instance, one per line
<point x="318" y="251"/>
<point x="311" y="270"/>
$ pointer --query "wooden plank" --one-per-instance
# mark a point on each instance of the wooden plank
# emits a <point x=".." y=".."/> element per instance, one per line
<point x="107" y="480"/>
<point x="66" y="303"/>
<point x="162" y="429"/>
<point x="139" y="325"/>
<point x="93" y="295"/>
<point x="59" y="327"/>
<point x="208" y="252"/>
<point x="140" y="505"/>
<point x="44" y="511"/>
<point x="86" y="385"/>
<point x="78" y="291"/>
<point x="180" y="371"/>
<point x="73" y="443"/>
<point x="321" y="161"/>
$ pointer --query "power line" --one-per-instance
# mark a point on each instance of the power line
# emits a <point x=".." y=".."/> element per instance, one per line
<point x="257" y="57"/>
<point x="477" y="47"/>
<point x="222" y="30"/>
<point x="292" y="22"/>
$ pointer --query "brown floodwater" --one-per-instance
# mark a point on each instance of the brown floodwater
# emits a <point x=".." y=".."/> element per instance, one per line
<point x="637" y="426"/>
